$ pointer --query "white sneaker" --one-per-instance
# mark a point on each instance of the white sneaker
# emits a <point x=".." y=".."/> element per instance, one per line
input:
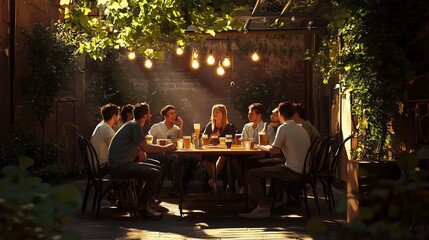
<point x="258" y="212"/>
<point x="153" y="211"/>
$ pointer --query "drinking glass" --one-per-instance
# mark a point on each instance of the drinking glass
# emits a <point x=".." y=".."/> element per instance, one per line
<point x="179" y="143"/>
<point x="222" y="141"/>
<point x="237" y="138"/>
<point x="247" y="144"/>
<point x="228" y="141"/>
<point x="206" y="139"/>
<point x="197" y="129"/>
<point x="149" y="138"/>
<point x="214" y="140"/>
<point x="186" y="142"/>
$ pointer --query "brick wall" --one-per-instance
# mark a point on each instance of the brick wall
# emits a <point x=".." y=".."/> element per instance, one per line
<point x="193" y="92"/>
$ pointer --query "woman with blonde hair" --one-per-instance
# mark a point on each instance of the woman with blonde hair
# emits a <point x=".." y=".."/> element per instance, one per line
<point x="218" y="126"/>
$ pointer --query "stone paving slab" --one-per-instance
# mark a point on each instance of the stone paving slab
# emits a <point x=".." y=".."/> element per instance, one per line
<point x="207" y="216"/>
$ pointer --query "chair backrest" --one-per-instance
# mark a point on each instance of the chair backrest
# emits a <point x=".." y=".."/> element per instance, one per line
<point x="334" y="164"/>
<point x="313" y="159"/>
<point x="90" y="158"/>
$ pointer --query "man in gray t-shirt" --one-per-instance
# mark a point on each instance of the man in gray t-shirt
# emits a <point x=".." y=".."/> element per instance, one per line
<point x="123" y="150"/>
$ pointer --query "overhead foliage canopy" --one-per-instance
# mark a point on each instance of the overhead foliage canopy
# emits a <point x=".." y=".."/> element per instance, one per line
<point x="148" y="27"/>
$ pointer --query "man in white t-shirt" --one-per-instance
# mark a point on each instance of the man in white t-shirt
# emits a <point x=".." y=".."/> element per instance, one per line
<point x="172" y="127"/>
<point x="293" y="141"/>
<point x="255" y="125"/>
<point x="103" y="134"/>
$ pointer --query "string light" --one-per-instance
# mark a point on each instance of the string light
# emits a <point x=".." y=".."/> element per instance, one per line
<point x="195" y="64"/>
<point x="255" y="56"/>
<point x="220" y="70"/>
<point x="179" y="51"/>
<point x="148" y="64"/>
<point x="226" y="62"/>
<point x="210" y="58"/>
<point x="131" y="55"/>
<point x="195" y="54"/>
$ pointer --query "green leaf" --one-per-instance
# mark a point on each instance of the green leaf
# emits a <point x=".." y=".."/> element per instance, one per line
<point x="101" y="2"/>
<point x="211" y="32"/>
<point x="64" y="2"/>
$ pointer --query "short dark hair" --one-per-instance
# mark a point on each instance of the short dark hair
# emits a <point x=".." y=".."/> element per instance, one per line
<point x="107" y="111"/>
<point x="140" y="109"/>
<point x="125" y="110"/>
<point x="300" y="110"/>
<point x="165" y="109"/>
<point x="286" y="109"/>
<point x="257" y="107"/>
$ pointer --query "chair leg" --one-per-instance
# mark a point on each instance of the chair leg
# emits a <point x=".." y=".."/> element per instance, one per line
<point x="331" y="193"/>
<point x="94" y="201"/>
<point x="316" y="197"/>
<point x="85" y="197"/>
<point x="304" y="196"/>
<point x="99" y="198"/>
<point x="327" y="194"/>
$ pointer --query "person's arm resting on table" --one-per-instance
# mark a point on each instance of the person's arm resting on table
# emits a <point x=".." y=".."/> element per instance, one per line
<point x="271" y="149"/>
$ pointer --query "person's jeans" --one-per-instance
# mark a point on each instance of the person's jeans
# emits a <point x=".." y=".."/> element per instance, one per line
<point x="147" y="175"/>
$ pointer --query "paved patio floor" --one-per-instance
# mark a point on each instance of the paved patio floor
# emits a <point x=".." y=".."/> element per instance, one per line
<point x="207" y="216"/>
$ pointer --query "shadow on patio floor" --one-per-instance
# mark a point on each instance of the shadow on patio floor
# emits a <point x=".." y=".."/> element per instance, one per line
<point x="206" y="216"/>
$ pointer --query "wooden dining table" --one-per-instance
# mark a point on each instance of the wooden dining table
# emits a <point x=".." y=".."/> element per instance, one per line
<point x="217" y="150"/>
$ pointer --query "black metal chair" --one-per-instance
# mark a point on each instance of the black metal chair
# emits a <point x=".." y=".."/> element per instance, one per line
<point x="312" y="166"/>
<point x="103" y="184"/>
<point x="328" y="173"/>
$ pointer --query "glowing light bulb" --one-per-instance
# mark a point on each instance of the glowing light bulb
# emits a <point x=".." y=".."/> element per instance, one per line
<point x="211" y="60"/>
<point x="179" y="51"/>
<point x="131" y="56"/>
<point x="255" y="57"/>
<point x="148" y="64"/>
<point x="195" y="64"/>
<point x="220" y="71"/>
<point x="226" y="62"/>
<point x="292" y="18"/>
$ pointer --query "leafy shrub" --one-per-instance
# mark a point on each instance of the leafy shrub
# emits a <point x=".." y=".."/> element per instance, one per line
<point x="20" y="142"/>
<point x="31" y="209"/>
<point x="394" y="210"/>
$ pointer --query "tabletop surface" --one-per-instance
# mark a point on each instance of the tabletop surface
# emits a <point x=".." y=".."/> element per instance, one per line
<point x="209" y="149"/>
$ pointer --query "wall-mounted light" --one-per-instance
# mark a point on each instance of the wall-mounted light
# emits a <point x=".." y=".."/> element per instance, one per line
<point x="255" y="56"/>
<point x="148" y="64"/>
<point x="220" y="70"/>
<point x="210" y="58"/>
<point x="226" y="62"/>
<point x="131" y="56"/>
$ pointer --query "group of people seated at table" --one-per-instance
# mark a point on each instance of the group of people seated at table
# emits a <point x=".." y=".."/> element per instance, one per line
<point x="123" y="151"/>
